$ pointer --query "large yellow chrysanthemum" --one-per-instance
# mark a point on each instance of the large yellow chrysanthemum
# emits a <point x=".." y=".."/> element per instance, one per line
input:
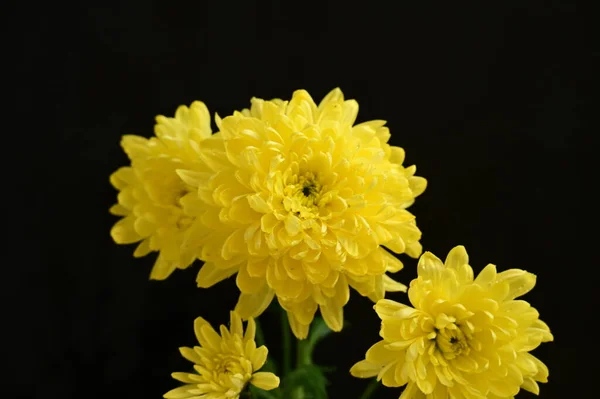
<point x="300" y="205"/>
<point x="224" y="363"/>
<point x="151" y="190"/>
<point x="464" y="338"/>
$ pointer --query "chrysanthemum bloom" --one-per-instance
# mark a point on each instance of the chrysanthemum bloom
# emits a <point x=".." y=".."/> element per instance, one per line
<point x="300" y="205"/>
<point x="224" y="363"/>
<point x="151" y="190"/>
<point x="464" y="338"/>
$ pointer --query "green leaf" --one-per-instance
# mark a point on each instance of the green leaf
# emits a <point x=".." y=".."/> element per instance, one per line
<point x="310" y="379"/>
<point x="318" y="331"/>
<point x="370" y="389"/>
<point x="257" y="393"/>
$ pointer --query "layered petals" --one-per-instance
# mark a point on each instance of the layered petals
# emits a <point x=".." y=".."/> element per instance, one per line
<point x="305" y="202"/>
<point x="151" y="193"/>
<point x="464" y="337"/>
<point x="224" y="363"/>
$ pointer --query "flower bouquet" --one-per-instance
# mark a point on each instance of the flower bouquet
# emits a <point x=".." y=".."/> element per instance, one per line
<point x="301" y="204"/>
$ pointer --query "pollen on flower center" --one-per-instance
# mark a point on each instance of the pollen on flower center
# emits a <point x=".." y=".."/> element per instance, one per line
<point x="302" y="195"/>
<point x="451" y="341"/>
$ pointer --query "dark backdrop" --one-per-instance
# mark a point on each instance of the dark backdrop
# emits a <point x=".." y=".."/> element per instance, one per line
<point x="485" y="98"/>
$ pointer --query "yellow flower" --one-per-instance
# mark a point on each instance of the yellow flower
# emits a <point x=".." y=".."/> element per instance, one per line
<point x="151" y="190"/>
<point x="300" y="205"/>
<point x="224" y="363"/>
<point x="464" y="338"/>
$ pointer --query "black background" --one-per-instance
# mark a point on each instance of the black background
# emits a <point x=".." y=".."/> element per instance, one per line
<point x="485" y="98"/>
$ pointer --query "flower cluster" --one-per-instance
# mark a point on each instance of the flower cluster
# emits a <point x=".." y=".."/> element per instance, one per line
<point x="293" y="197"/>
<point x="301" y="203"/>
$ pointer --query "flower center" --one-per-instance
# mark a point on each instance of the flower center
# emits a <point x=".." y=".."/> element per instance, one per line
<point x="451" y="341"/>
<point x="309" y="189"/>
<point x="302" y="195"/>
<point x="228" y="364"/>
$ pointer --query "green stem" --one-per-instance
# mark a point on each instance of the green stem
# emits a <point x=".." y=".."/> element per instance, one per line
<point x="287" y="343"/>
<point x="259" y="336"/>
<point x="372" y="387"/>
<point x="303" y="358"/>
<point x="303" y="353"/>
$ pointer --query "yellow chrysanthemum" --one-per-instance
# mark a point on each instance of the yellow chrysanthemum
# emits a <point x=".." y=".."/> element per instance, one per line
<point x="464" y="338"/>
<point x="300" y="205"/>
<point x="151" y="190"/>
<point x="224" y="363"/>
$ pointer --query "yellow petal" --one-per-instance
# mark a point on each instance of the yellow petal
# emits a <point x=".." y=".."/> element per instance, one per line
<point x="334" y="96"/>
<point x="265" y="380"/>
<point x="193" y="178"/>
<point x="542" y="369"/>
<point x="208" y="337"/>
<point x="342" y="292"/>
<point x="378" y="354"/>
<point x="414" y="249"/>
<point x="190" y="354"/>
<point x="411" y="392"/>
<point x="250" y="330"/>
<point x="179" y="393"/>
<point x="530" y="385"/>
<point x="186" y="377"/>
<point x="234" y="244"/>
<point x="387" y="375"/>
<point x="292" y="225"/>
<point x="258" y="203"/>
<point x="123" y="232"/>
<point x="300" y="330"/>
<point x="430" y="266"/>
<point x="486" y="276"/>
<point x="134" y="146"/>
<point x="252" y="305"/>
<point x="304" y="311"/>
<point x="386" y="308"/>
<point x="198" y="324"/>
<point x="209" y="275"/>
<point x="365" y="369"/>
<point x="144" y="227"/>
<point x="162" y="268"/>
<point x="260" y="357"/>
<point x="457" y="257"/>
<point x="248" y="284"/>
<point x="142" y="249"/>
<point x="390" y="285"/>
<point x="417" y="185"/>
<point x="397" y="155"/>
<point x="393" y="264"/>
<point x="349" y="112"/>
<point x="122" y="177"/>
<point x="119" y="210"/>
<point x="257" y="267"/>
<point x="236" y="326"/>
<point x="520" y="282"/>
<point x="333" y="316"/>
